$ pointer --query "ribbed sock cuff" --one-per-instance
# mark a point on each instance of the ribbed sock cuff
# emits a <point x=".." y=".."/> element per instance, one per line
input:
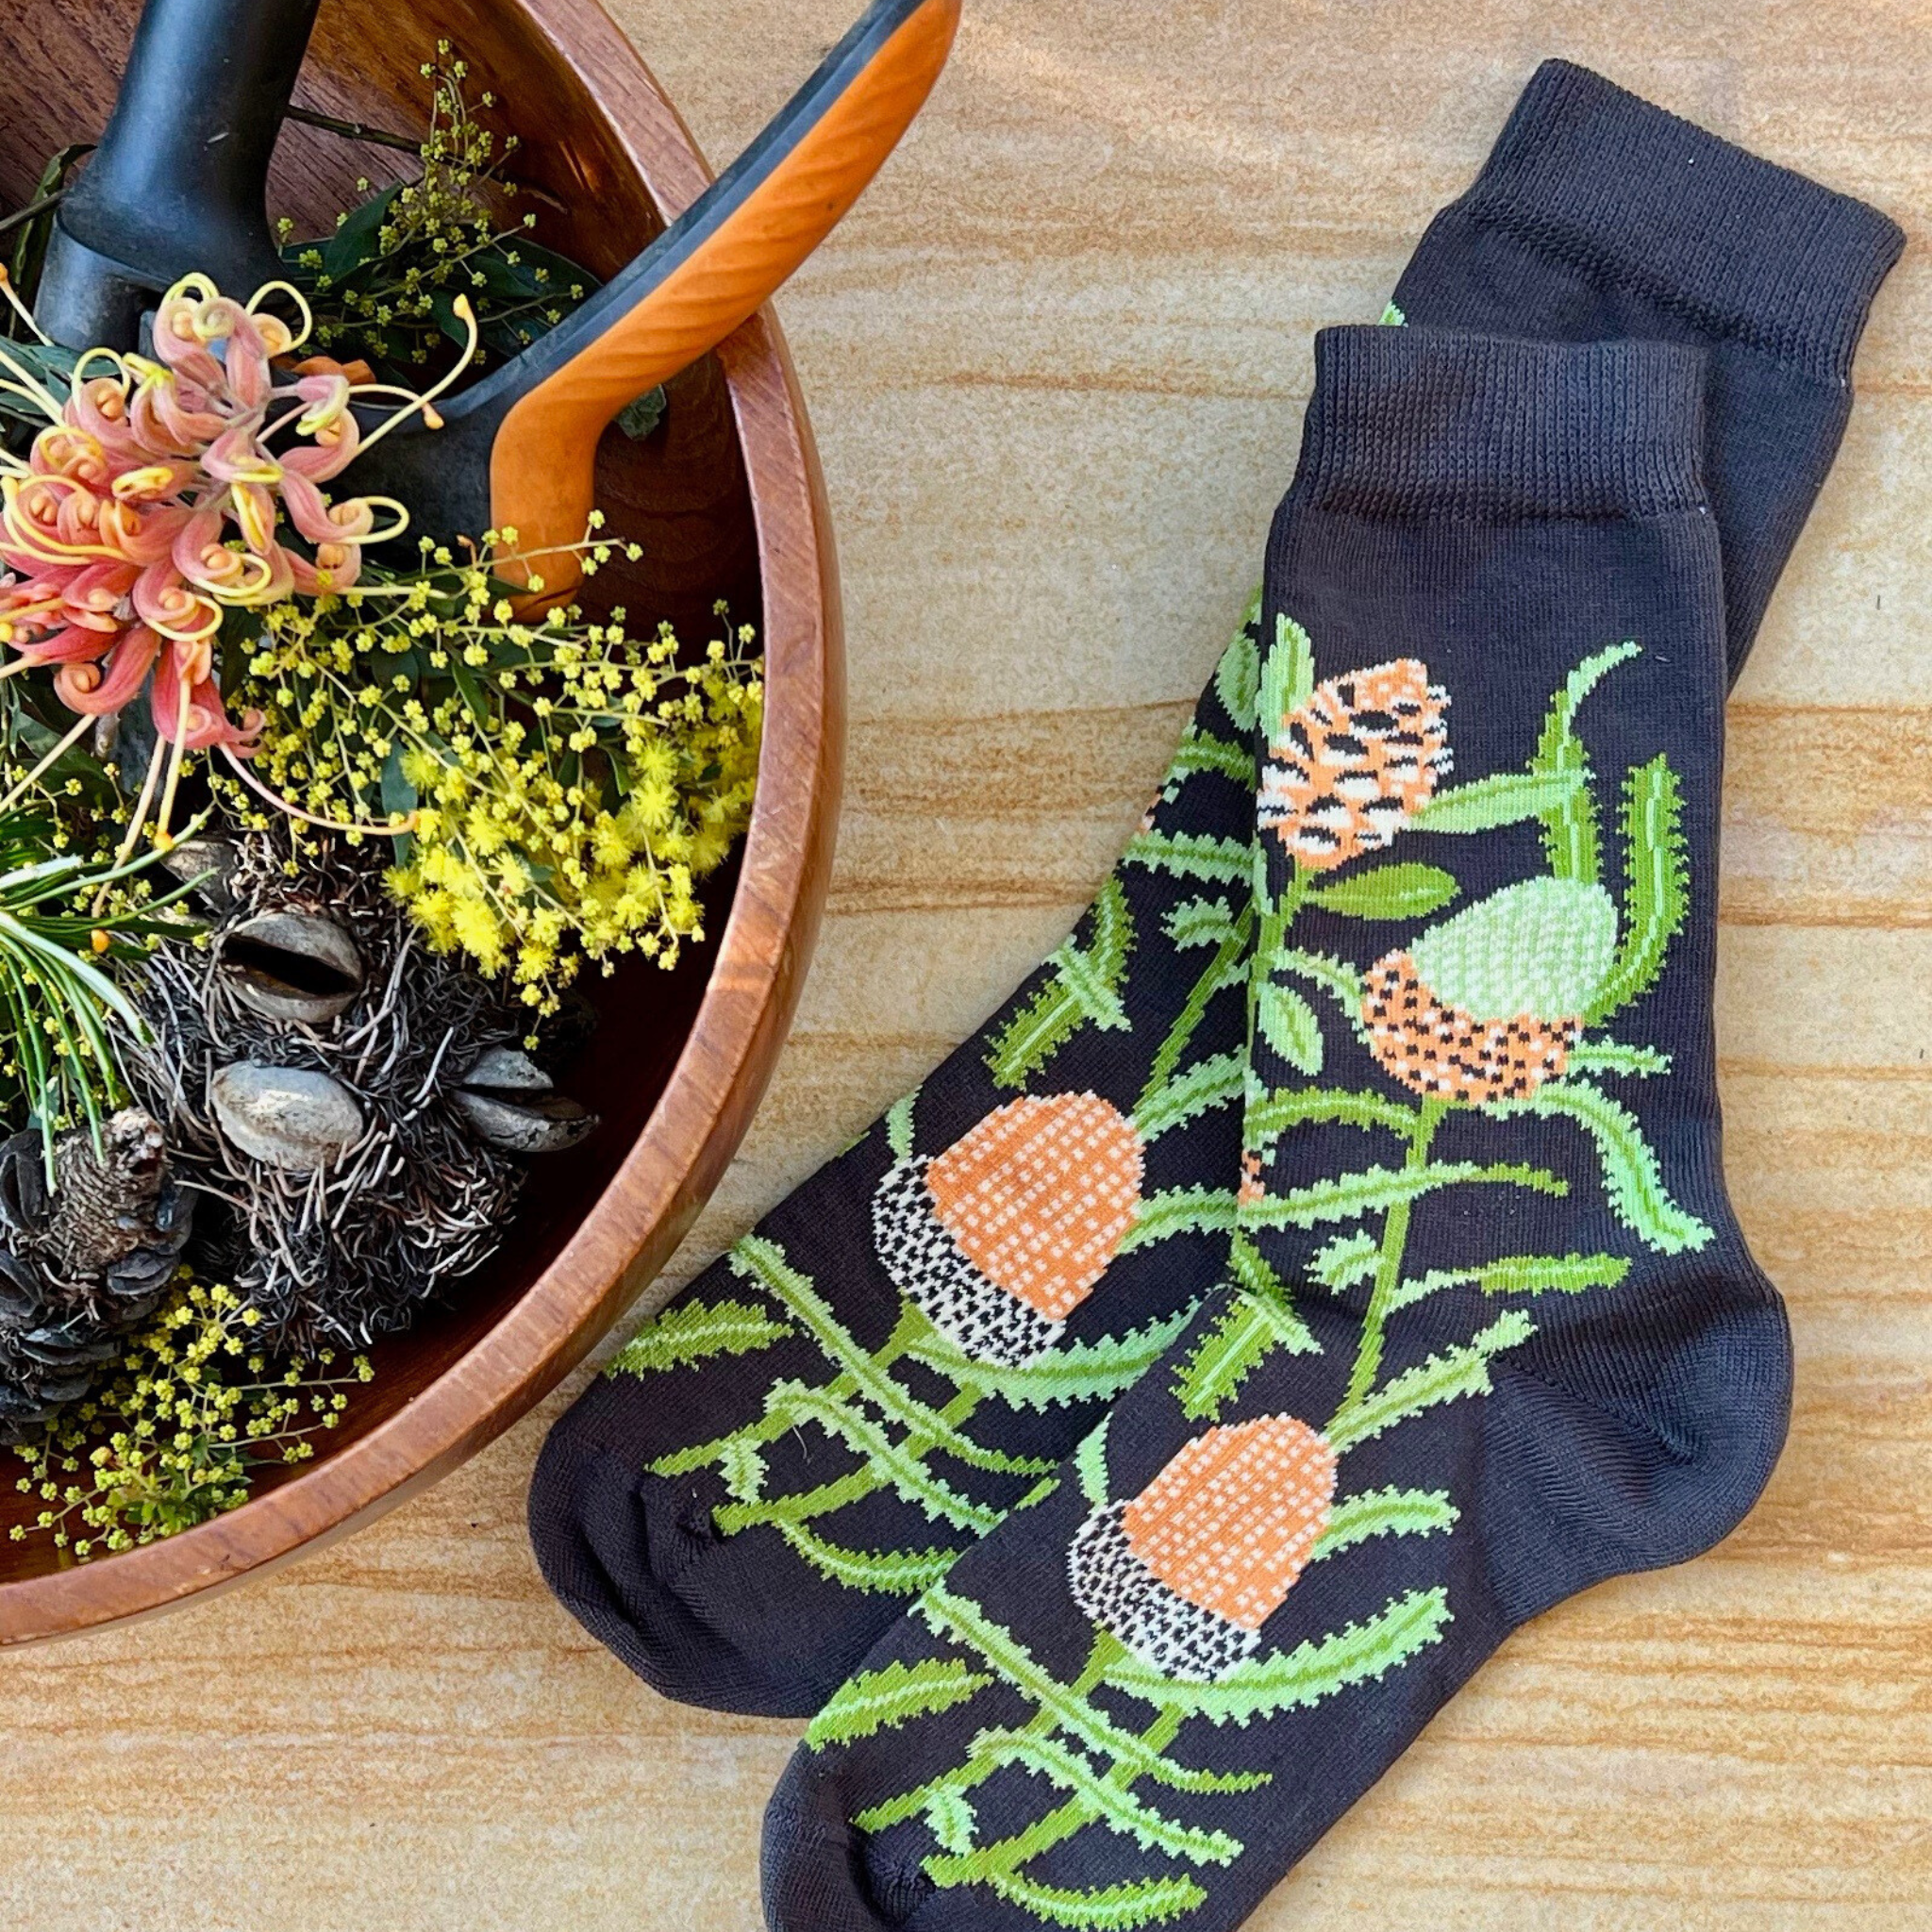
<point x="1620" y="190"/>
<point x="1429" y="423"/>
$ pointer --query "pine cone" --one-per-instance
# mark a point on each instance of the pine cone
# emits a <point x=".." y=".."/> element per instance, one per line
<point x="82" y="1264"/>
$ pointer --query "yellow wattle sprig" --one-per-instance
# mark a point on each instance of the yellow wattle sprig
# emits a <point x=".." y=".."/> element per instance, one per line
<point x="560" y="786"/>
<point x="176" y="1435"/>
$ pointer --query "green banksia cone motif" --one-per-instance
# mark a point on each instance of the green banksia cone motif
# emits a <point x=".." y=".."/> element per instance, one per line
<point x="1353" y="762"/>
<point x="1187" y="1573"/>
<point x="1000" y="1238"/>
<point x="1487" y="1005"/>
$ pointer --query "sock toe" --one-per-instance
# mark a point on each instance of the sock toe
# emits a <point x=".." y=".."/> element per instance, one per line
<point x="616" y="1544"/>
<point x="815" y="1872"/>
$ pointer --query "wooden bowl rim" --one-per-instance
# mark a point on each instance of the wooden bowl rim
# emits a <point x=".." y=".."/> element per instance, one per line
<point x="745" y="1007"/>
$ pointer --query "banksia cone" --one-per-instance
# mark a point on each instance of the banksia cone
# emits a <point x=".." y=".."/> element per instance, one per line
<point x="81" y="1266"/>
<point x="1186" y="1574"/>
<point x="1354" y="761"/>
<point x="1000" y="1238"/>
<point x="1487" y="1004"/>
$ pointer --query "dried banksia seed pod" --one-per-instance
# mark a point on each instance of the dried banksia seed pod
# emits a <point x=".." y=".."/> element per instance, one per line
<point x="312" y="1068"/>
<point x="1000" y="1238"/>
<point x="81" y="1263"/>
<point x="1487" y="1005"/>
<point x="1187" y="1573"/>
<point x="1351" y="764"/>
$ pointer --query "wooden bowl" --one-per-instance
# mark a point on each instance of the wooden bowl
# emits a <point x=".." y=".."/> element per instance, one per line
<point x="727" y="501"/>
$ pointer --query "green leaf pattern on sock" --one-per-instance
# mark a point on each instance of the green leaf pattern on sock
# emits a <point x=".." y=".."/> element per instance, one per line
<point x="893" y="1438"/>
<point x="875" y="1700"/>
<point x="1571" y="945"/>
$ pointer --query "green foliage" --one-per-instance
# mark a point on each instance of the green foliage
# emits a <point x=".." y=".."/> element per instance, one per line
<point x="51" y="369"/>
<point x="1457" y="1372"/>
<point x="1192" y="856"/>
<point x="892" y="1463"/>
<point x="878" y="1573"/>
<point x="1632" y="1179"/>
<point x="951" y="1820"/>
<point x="64" y="916"/>
<point x="1200" y="751"/>
<point x="1288" y="677"/>
<point x="1287" y="1023"/>
<point x="1569" y="836"/>
<point x="1200" y="923"/>
<point x="1077" y="1371"/>
<point x="1345" y="1260"/>
<point x="173" y="1441"/>
<point x="30" y="238"/>
<point x="758" y="1259"/>
<point x="1375" y="1190"/>
<point x="1237" y="677"/>
<point x="1179" y="1210"/>
<point x="1387" y="892"/>
<point x="873" y="1701"/>
<point x="741" y="1469"/>
<point x="640" y="417"/>
<point x="1084" y="990"/>
<point x="1273" y="1114"/>
<point x="961" y="1621"/>
<point x="1334" y="977"/>
<point x="1612" y="1057"/>
<point x="1384" y="1512"/>
<point x="1289" y="1680"/>
<point x="1104" y="1909"/>
<point x="383" y="286"/>
<point x="1504" y="799"/>
<point x="1089" y="1464"/>
<point x="899" y="1125"/>
<point x="1105" y="1803"/>
<point x="1204" y="1086"/>
<point x="1520" y="1274"/>
<point x="1657" y="884"/>
<point x="694" y="1331"/>
<point x="1252" y="1325"/>
<point x="1227" y="968"/>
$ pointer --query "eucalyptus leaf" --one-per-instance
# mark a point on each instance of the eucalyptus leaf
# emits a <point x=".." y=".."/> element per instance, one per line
<point x="1389" y="891"/>
<point x="355" y="238"/>
<point x="1289" y="1025"/>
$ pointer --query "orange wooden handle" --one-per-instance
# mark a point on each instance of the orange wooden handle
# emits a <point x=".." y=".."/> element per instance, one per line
<point x="541" y="464"/>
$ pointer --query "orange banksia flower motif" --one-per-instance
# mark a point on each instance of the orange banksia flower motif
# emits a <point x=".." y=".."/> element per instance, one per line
<point x="1353" y="762"/>
<point x="1187" y="1573"/>
<point x="1000" y="1238"/>
<point x="1486" y="1006"/>
<point x="1445" y="1053"/>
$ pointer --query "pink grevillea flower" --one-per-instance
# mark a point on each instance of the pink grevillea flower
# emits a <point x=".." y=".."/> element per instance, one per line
<point x="156" y="498"/>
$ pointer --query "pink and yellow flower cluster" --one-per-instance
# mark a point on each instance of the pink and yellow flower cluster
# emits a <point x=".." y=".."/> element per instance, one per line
<point x="154" y="500"/>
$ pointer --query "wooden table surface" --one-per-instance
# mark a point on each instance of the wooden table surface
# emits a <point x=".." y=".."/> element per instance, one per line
<point x="1057" y="362"/>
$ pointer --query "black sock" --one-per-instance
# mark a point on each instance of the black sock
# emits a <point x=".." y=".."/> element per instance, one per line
<point x="658" y="1509"/>
<point x="1599" y="217"/>
<point x="1498" y="1336"/>
<point x="810" y="1433"/>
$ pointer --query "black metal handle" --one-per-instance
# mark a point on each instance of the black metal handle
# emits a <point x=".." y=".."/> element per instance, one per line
<point x="179" y="181"/>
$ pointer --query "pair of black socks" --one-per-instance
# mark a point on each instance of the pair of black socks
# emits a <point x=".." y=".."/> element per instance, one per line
<point x="1322" y="1265"/>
